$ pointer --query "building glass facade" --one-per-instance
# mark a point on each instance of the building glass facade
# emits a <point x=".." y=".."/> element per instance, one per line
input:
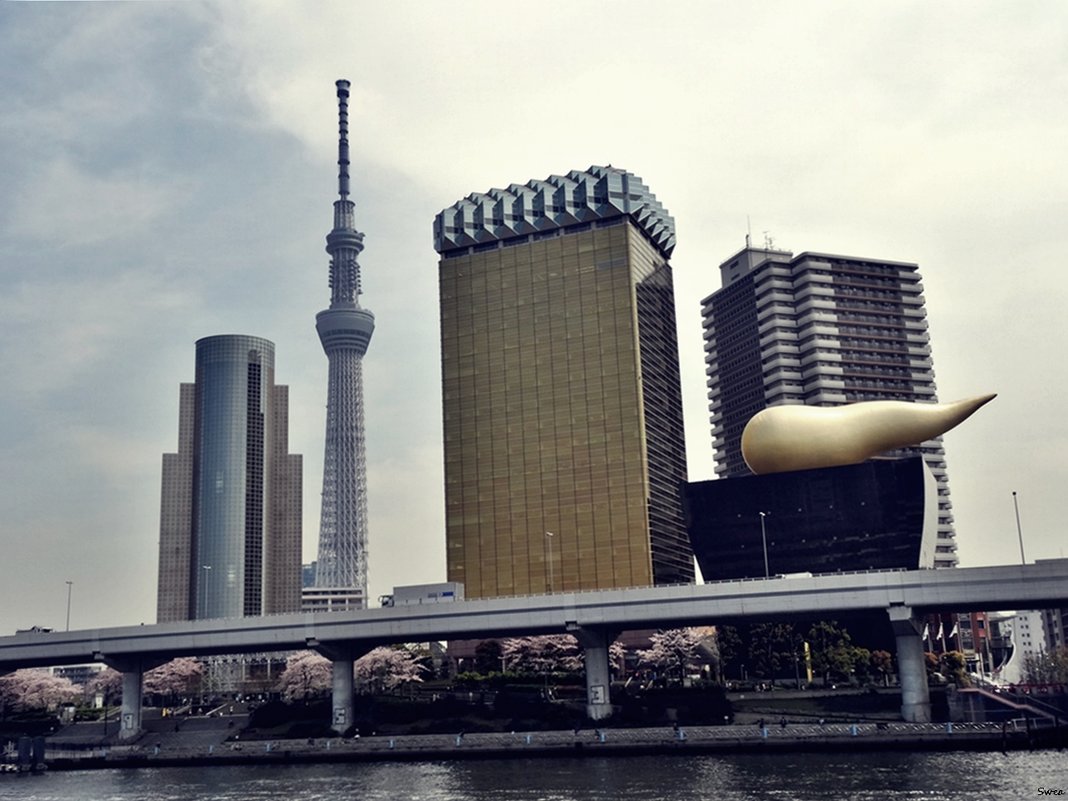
<point x="564" y="450"/>
<point x="878" y="515"/>
<point x="230" y="514"/>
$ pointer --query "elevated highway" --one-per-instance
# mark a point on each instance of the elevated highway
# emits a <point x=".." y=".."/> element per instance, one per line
<point x="594" y="617"/>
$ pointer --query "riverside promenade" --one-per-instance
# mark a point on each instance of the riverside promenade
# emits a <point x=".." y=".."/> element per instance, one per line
<point x="837" y="737"/>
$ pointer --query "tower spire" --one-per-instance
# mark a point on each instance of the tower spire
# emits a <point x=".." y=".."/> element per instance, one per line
<point x="345" y="330"/>
<point x="343" y="138"/>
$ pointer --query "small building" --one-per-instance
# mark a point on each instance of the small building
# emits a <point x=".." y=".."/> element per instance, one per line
<point x="331" y="599"/>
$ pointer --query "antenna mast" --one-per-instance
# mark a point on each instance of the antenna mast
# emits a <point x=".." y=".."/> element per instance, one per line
<point x="343" y="138"/>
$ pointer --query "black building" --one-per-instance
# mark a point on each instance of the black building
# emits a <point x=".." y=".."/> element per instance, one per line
<point x="877" y="515"/>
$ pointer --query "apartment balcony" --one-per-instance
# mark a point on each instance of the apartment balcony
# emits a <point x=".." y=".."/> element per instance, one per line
<point x="816" y="355"/>
<point x="823" y="383"/>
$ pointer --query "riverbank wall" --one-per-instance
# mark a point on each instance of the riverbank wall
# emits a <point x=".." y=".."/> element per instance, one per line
<point x="839" y="738"/>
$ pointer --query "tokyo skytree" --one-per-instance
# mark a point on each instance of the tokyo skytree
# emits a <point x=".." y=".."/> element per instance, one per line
<point x="345" y="330"/>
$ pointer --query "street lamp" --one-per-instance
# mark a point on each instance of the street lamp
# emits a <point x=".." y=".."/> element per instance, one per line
<point x="1019" y="531"/>
<point x="203" y="593"/>
<point x="764" y="539"/>
<point x="549" y="543"/>
<point x="69" y="585"/>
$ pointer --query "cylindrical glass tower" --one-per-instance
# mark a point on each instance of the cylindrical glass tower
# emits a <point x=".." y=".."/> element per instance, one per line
<point x="232" y="465"/>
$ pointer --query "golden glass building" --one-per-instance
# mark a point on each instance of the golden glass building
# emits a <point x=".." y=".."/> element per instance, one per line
<point x="564" y="446"/>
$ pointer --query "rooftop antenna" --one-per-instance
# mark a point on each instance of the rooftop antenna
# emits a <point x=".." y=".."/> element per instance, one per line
<point x="343" y="138"/>
<point x="748" y="231"/>
<point x="768" y="241"/>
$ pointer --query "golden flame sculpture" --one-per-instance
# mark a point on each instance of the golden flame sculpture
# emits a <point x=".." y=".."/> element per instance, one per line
<point x="784" y="438"/>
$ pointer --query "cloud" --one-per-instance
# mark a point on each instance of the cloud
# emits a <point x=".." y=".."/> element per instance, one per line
<point x="170" y="168"/>
<point x="68" y="206"/>
<point x="56" y="335"/>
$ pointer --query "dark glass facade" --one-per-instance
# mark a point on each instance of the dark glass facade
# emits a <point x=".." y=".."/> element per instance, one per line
<point x="877" y="515"/>
<point x="662" y="412"/>
<point x="737" y="367"/>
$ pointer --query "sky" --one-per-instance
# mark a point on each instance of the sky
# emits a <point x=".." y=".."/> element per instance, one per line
<point x="168" y="172"/>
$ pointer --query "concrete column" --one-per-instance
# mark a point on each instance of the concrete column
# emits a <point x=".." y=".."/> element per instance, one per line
<point x="595" y="644"/>
<point x="911" y="669"/>
<point x="342" y="695"/>
<point x="130" y="716"/>
<point x="133" y="673"/>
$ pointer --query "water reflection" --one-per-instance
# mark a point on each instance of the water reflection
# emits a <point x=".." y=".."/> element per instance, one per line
<point x="787" y="777"/>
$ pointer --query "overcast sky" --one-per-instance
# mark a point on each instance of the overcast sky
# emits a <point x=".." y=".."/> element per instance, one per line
<point x="168" y="171"/>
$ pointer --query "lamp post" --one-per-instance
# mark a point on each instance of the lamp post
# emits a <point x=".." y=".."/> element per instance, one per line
<point x="764" y="540"/>
<point x="203" y="591"/>
<point x="549" y="544"/>
<point x="1019" y="531"/>
<point x="69" y="585"/>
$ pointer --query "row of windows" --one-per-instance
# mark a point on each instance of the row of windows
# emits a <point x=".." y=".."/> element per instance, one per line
<point x="846" y="366"/>
<point x="595" y="267"/>
<point x="865" y="289"/>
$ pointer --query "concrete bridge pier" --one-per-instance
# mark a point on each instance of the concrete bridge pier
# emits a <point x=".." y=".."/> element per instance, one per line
<point x="911" y="668"/>
<point x="342" y="660"/>
<point x="342" y="701"/>
<point x="133" y="676"/>
<point x="595" y="643"/>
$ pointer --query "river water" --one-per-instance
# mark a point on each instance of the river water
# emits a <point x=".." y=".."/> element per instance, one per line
<point x="738" y="777"/>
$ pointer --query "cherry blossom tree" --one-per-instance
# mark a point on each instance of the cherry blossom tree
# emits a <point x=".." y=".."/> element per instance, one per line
<point x="33" y="689"/>
<point x="552" y="653"/>
<point x="1046" y="667"/>
<point x="385" y="669"/>
<point x="307" y="675"/>
<point x="107" y="683"/>
<point x="678" y="650"/>
<point x="178" y="677"/>
<point x="617" y="658"/>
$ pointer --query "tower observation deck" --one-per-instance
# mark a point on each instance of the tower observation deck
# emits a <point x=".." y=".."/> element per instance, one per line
<point x="345" y="330"/>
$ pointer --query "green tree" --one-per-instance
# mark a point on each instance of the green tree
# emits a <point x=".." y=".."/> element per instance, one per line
<point x="772" y="646"/>
<point x="862" y="667"/>
<point x="882" y="665"/>
<point x="488" y="657"/>
<point x="832" y="651"/>
<point x="731" y="650"/>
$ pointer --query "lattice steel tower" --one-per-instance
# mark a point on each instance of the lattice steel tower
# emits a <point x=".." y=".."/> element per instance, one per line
<point x="345" y="330"/>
